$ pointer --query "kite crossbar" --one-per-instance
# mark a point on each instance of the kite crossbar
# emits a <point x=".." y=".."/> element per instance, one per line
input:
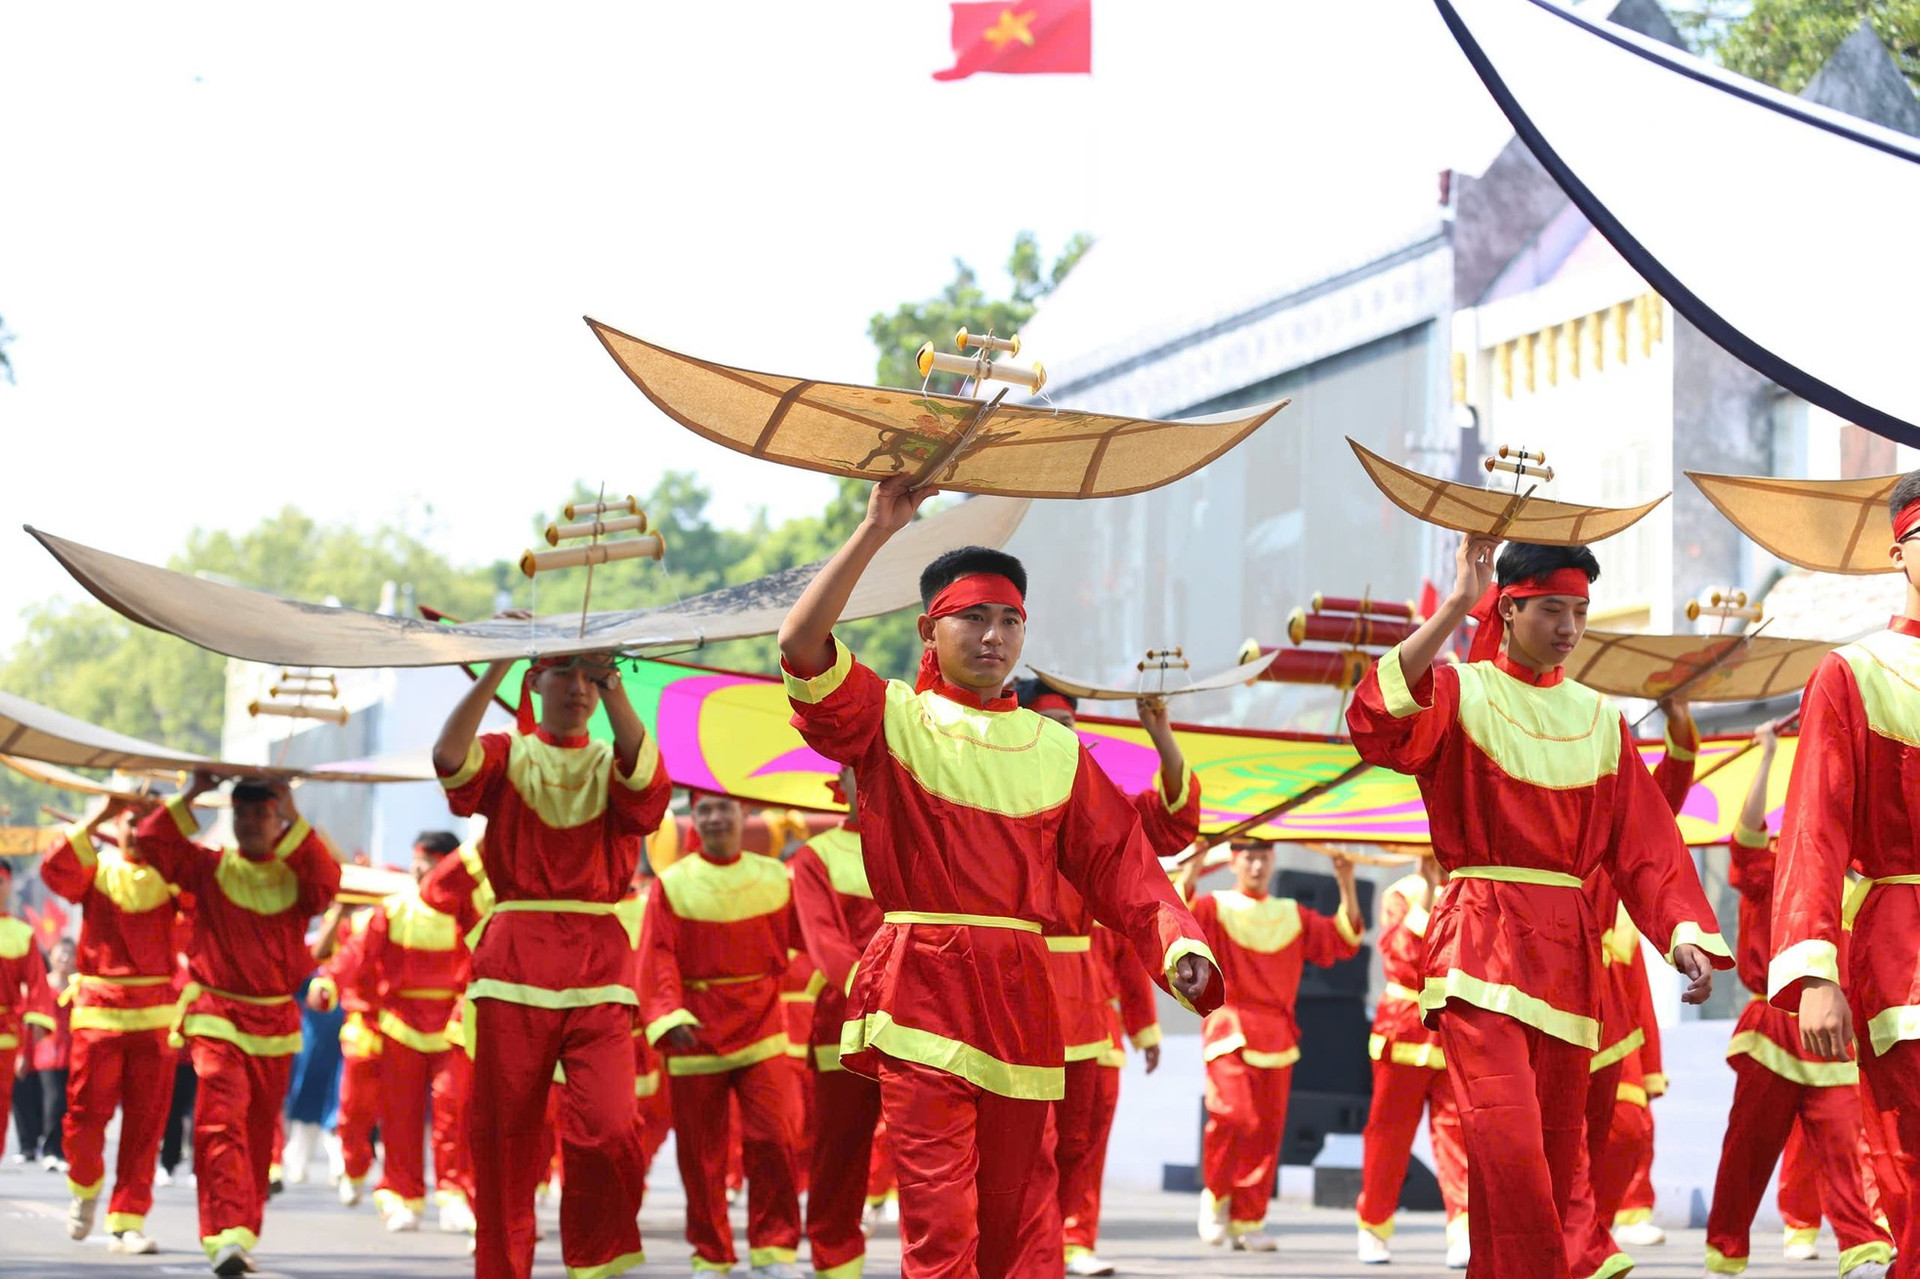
<point x="651" y="546"/>
<point x="635" y="523"/>
<point x="987" y="342"/>
<point x="574" y="510"/>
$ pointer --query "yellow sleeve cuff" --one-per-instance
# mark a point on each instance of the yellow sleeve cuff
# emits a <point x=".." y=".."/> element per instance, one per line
<point x="295" y="836"/>
<point x="661" y="1025"/>
<point x="1394" y="689"/>
<point x="645" y="765"/>
<point x="329" y="990"/>
<point x="1747" y="837"/>
<point x="1346" y="929"/>
<point x="1148" y="1038"/>
<point x="1689" y="933"/>
<point x="41" y="1020"/>
<point x="81" y="842"/>
<point x="1180" y="949"/>
<point x="1655" y="1084"/>
<point x="1177" y="801"/>
<point x="183" y="819"/>
<point x="1676" y="751"/>
<point x="822" y="686"/>
<point x="1812" y="958"/>
<point x="469" y="769"/>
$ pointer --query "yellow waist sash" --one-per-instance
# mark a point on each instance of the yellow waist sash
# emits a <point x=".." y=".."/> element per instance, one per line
<point x="708" y="983"/>
<point x="1858" y="896"/>
<point x="1069" y="945"/>
<point x="553" y="907"/>
<point x="1519" y="875"/>
<point x="431" y="993"/>
<point x="193" y="990"/>
<point x="965" y="921"/>
<point x="1395" y="990"/>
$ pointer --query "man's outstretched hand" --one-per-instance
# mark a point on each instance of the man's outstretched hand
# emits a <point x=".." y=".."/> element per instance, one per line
<point x="1693" y="962"/>
<point x="681" y="1039"/>
<point x="891" y="505"/>
<point x="1192" y="975"/>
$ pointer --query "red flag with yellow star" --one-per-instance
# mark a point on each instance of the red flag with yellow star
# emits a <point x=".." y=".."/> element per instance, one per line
<point x="1025" y="37"/>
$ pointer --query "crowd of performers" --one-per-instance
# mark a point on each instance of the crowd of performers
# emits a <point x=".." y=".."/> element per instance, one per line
<point x="945" y="984"/>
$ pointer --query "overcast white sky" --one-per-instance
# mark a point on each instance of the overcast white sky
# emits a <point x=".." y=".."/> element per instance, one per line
<point x="336" y="256"/>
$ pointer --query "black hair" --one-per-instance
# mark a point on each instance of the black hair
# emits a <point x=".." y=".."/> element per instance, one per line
<point x="964" y="562"/>
<point x="252" y="791"/>
<point x="1904" y="494"/>
<point x="437" y="842"/>
<point x="1524" y="561"/>
<point x="1025" y="690"/>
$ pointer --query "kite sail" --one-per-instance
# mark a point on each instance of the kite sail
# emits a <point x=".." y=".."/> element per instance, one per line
<point x="1707" y="668"/>
<point x="965" y="445"/>
<point x="1828" y="526"/>
<point x="1155" y="681"/>
<point x="1516" y="516"/>
<point x="1696" y="221"/>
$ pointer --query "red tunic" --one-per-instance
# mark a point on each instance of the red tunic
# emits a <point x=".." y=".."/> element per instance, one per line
<point x="1399" y="1034"/>
<point x="716" y="941"/>
<point x="564" y="830"/>
<point x="1132" y="1015"/>
<point x="249" y="951"/>
<point x="1262" y="943"/>
<point x="125" y="958"/>
<point x="973" y="813"/>
<point x="25" y="997"/>
<point x="413" y="965"/>
<point x="834" y="908"/>
<point x="1526" y="797"/>
<point x="1853" y="800"/>
<point x="800" y="988"/>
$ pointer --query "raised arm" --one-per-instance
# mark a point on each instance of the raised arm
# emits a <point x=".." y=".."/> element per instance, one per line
<point x="1472" y="575"/>
<point x="463" y="725"/>
<point x="629" y="734"/>
<point x="823" y="926"/>
<point x="1674" y="773"/>
<point x="1753" y="813"/>
<point x="806" y="637"/>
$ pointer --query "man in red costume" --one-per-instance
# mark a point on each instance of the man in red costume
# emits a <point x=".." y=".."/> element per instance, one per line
<point x="26" y="999"/>
<point x="237" y="1016"/>
<point x="719" y="929"/>
<point x="342" y="984"/>
<point x="1409" y="1077"/>
<point x="1851" y="803"/>
<point x="834" y="908"/>
<point x="1062" y="1219"/>
<point x="1777" y="1083"/>
<point x="1251" y="1043"/>
<point x="122" y="1006"/>
<point x="1532" y="784"/>
<point x="552" y="972"/>
<point x="972" y="810"/>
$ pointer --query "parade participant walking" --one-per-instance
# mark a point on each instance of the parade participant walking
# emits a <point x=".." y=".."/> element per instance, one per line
<point x="26" y="1000"/>
<point x="972" y="810"/>
<point x="342" y="985"/>
<point x="552" y="972"/>
<point x="237" y="1016"/>
<point x="123" y="1003"/>
<point x="1531" y="783"/>
<point x="716" y="940"/>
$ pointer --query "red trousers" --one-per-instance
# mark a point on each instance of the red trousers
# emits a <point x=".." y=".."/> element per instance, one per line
<point x="1522" y="1099"/>
<point x="1765" y="1106"/>
<point x="656" y="1121"/>
<point x="1799" y="1196"/>
<point x="515" y="1050"/>
<point x="1633" y="1131"/>
<point x="1601" y="1185"/>
<point x="1062" y="1214"/>
<point x="412" y="1083"/>
<point x="963" y="1156"/>
<point x="883" y="1182"/>
<point x="768" y="1094"/>
<point x="1400" y="1093"/>
<point x="847" y="1107"/>
<point x="1240" y="1146"/>
<point x="359" y="1112"/>
<point x="234" y="1112"/>
<point x="129" y="1071"/>
<point x="1893" y="1079"/>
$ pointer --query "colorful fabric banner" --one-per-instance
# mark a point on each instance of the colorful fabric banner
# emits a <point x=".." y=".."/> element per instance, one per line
<point x="1021" y="38"/>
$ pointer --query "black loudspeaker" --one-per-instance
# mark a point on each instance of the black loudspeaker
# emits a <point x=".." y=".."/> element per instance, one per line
<point x="1321" y="893"/>
<point x="1333" y="1049"/>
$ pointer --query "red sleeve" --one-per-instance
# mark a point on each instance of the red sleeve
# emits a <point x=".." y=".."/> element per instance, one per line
<point x="639" y="801"/>
<point x="1393" y="915"/>
<point x="1139" y="1014"/>
<point x="165" y="843"/>
<point x="474" y="787"/>
<point x="1810" y="869"/>
<point x="375" y="945"/>
<point x="1674" y="773"/>
<point x="1326" y="940"/>
<point x="663" y="1004"/>
<point x="1170" y="821"/>
<point x="346" y="969"/>
<point x="68" y="868"/>
<point x="38" y="1008"/>
<point x="1750" y="866"/>
<point x="1399" y="726"/>
<point x="449" y="888"/>
<point x="839" y="711"/>
<point x="1651" y="868"/>
<point x="823" y="926"/>
<point x="1105" y="857"/>
<point x="313" y="865"/>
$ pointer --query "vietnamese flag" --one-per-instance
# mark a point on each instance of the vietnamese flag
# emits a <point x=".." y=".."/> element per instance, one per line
<point x="1021" y="37"/>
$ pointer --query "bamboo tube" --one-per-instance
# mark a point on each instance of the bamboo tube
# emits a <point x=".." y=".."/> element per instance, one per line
<point x="293" y="710"/>
<point x="1334" y="668"/>
<point x="987" y="342"/>
<point x="978" y="367"/>
<point x="557" y="533"/>
<point x="1335" y="628"/>
<point x="1363" y="606"/>
<point x="651" y="546"/>
<point x="1522" y="469"/>
<point x="574" y="510"/>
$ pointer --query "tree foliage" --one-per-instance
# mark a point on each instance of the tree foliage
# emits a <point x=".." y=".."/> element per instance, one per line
<point x="1785" y="42"/>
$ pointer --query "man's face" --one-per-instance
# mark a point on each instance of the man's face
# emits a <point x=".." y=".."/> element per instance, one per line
<point x="6" y="891"/>
<point x="257" y="826"/>
<point x="424" y="860"/>
<point x="1544" y="634"/>
<point x="719" y="821"/>
<point x="978" y="647"/>
<point x="1057" y="714"/>
<point x="1906" y="557"/>
<point x="570" y="693"/>
<point x="1253" y="869"/>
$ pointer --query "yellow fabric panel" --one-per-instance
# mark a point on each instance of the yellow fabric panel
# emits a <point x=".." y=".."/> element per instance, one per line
<point x="1270" y="1061"/>
<point x="1886" y="667"/>
<point x="15" y="936"/>
<point x="208" y="1026"/>
<point x="1689" y="933"/>
<point x="1181" y="948"/>
<point x="1857" y="896"/>
<point x="1510" y="1001"/>
<point x="761" y="1257"/>
<point x="647" y="1085"/>
<point x="646" y="762"/>
<point x="1879" y="1250"/>
<point x="482" y="886"/>
<point x="124" y="1020"/>
<point x="1149" y="1037"/>
<point x="1622" y="941"/>
<point x="826" y="683"/>
<point x="1069" y="945"/>
<point x="1519" y="875"/>
<point x="1089" y="1051"/>
<point x="419" y="1040"/>
<point x="1222" y="1046"/>
<point x="1263" y="924"/>
<point x="772" y="1046"/>
<point x="1427" y="1055"/>
<point x="839" y="851"/>
<point x="608" y="1269"/>
<point x="1809" y="958"/>
<point x="236" y="1234"/>
<point x="1394" y="689"/>
<point x="183" y="819"/>
<point x="661" y="1025"/>
<point x="1617" y="1052"/>
<point x="509" y="992"/>
<point x="469" y="767"/>
<point x="134" y="887"/>
<point x="295" y="836"/>
<point x="265" y="888"/>
<point x="879" y="1032"/>
<point x="745" y="888"/>
<point x="414" y="925"/>
<point x="1893" y="1025"/>
<point x="1014" y="764"/>
<point x="1559" y="738"/>
<point x="565" y="785"/>
<point x="947" y="918"/>
<point x="1814" y="1074"/>
<point x="826" y="1057"/>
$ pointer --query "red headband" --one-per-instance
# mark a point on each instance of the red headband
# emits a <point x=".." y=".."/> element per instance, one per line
<point x="1907" y="523"/>
<point x="1487" y="634"/>
<point x="1050" y="702"/>
<point x="958" y="596"/>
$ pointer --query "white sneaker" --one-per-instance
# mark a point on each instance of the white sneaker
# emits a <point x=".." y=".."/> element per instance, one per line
<point x="336" y="1154"/>
<point x="132" y="1243"/>
<point x="54" y="1163"/>
<point x="1639" y="1234"/>
<point x="302" y="1138"/>
<point x="1086" y="1263"/>
<point x="869" y="1219"/>
<point x="890" y="1211"/>
<point x="774" y="1270"/>
<point x="232" y="1260"/>
<point x="402" y="1220"/>
<point x="1867" y="1270"/>
<point x="1373" y="1249"/>
<point x="1798" y="1251"/>
<point x="1255" y="1241"/>
<point x="456" y="1217"/>
<point x="162" y="1178"/>
<point x="349" y="1192"/>
<point x="80" y="1217"/>
<point x="1459" y="1254"/>
<point x="1213" y="1220"/>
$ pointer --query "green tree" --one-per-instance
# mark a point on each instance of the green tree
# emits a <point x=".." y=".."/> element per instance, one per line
<point x="1784" y="42"/>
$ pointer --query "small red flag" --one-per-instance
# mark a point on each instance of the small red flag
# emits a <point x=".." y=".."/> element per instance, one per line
<point x="1021" y="37"/>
